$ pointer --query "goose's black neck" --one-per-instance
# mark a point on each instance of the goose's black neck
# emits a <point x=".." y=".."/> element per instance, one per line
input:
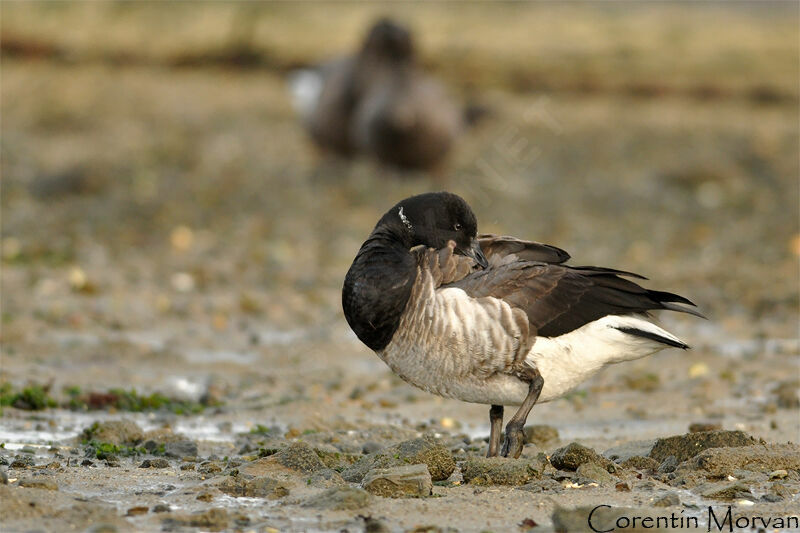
<point x="378" y="285"/>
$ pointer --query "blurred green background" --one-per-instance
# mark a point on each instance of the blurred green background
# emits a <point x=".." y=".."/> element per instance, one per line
<point x="154" y="174"/>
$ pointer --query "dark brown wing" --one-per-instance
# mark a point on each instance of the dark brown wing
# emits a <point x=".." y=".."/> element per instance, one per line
<point x="502" y="246"/>
<point x="559" y="299"/>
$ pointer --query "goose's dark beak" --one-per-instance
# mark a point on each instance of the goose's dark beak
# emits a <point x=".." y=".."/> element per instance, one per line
<point x="476" y="253"/>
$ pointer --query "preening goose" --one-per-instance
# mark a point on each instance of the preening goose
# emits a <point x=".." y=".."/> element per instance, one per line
<point x="489" y="319"/>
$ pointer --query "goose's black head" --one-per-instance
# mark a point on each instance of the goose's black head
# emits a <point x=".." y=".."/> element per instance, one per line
<point x="433" y="219"/>
<point x="388" y="40"/>
<point x="379" y="282"/>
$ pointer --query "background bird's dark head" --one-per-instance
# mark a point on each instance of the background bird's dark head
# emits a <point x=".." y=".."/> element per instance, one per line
<point x="433" y="219"/>
<point x="388" y="40"/>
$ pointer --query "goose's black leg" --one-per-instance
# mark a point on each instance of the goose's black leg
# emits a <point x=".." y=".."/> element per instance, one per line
<point x="496" y="429"/>
<point x="515" y="439"/>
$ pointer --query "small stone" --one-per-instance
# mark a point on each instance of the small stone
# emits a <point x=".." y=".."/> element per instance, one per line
<point x="188" y="466"/>
<point x="411" y="481"/>
<point x="574" y="455"/>
<point x="541" y="435"/>
<point x="623" y="452"/>
<point x="119" y="432"/>
<point x="38" y="483"/>
<point x="155" y="463"/>
<point x="668" y="465"/>
<point x="686" y="446"/>
<point x="623" y="486"/>
<point x="205" y="496"/>
<point x="259" y="487"/>
<point x="181" y="448"/>
<point x="699" y="427"/>
<point x="502" y="470"/>
<point x="160" y="508"/>
<point x="3" y="477"/>
<point x="637" y="462"/>
<point x="339" y="499"/>
<point x="87" y="462"/>
<point x="28" y="449"/>
<point x="724" y="490"/>
<point x="371" y="447"/>
<point x="594" y="473"/>
<point x="778" y="474"/>
<point x="436" y="457"/>
<point x="372" y="525"/>
<point x="22" y="462"/>
<point x="335" y="459"/>
<point x="326" y="478"/>
<point x="544" y="485"/>
<point x="779" y="492"/>
<point x="136" y="511"/>
<point x="211" y="520"/>
<point x="764" y="458"/>
<point x="300" y="456"/>
<point x="210" y="467"/>
<point x="668" y="500"/>
<point x="787" y="394"/>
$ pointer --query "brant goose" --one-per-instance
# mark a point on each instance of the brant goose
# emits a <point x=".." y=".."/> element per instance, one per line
<point x="378" y="102"/>
<point x="490" y="319"/>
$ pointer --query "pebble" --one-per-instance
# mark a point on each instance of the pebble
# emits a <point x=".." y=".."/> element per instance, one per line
<point x="573" y="455"/>
<point x="638" y="462"/>
<point x="22" y="462"/>
<point x="436" y="457"/>
<point x="668" y="500"/>
<point x="119" y="432"/>
<point x="300" y="456"/>
<point x="541" y="435"/>
<point x="668" y="465"/>
<point x="594" y="472"/>
<point x="502" y="470"/>
<point x="210" y="520"/>
<point x="339" y="499"/>
<point x="686" y="446"/>
<point x="699" y="427"/>
<point x="155" y="463"/>
<point x="623" y="486"/>
<point x="259" y="487"/>
<point x="38" y="483"/>
<point x="410" y="481"/>
<point x="725" y="490"/>
<point x="371" y="447"/>
<point x="182" y="448"/>
<point x="764" y="458"/>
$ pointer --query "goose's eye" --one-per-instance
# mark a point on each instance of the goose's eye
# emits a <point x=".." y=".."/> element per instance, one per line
<point x="457" y="227"/>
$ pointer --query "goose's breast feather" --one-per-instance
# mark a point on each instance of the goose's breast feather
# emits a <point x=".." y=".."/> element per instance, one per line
<point x="457" y="346"/>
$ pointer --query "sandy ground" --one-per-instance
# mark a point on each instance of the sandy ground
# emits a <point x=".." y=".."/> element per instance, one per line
<point x="172" y="231"/>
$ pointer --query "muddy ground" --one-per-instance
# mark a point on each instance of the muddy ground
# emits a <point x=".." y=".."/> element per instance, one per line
<point x="173" y="251"/>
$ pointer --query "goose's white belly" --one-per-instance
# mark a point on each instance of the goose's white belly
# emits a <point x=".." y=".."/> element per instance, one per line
<point x="456" y="346"/>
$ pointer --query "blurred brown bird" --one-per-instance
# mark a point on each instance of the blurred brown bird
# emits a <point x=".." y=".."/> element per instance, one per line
<point x="378" y="102"/>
